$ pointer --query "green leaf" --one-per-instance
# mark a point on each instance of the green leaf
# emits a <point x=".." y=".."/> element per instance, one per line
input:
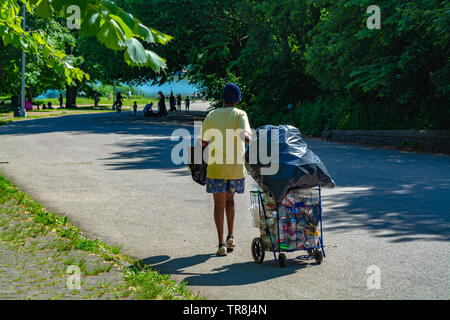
<point x="24" y="43"/>
<point x="127" y="18"/>
<point x="68" y="75"/>
<point x="28" y="7"/>
<point x="90" y="25"/>
<point x="144" y="33"/>
<point x="155" y="62"/>
<point x="125" y="28"/>
<point x="79" y="74"/>
<point x="162" y="38"/>
<point x="111" y="35"/>
<point x="135" y="53"/>
<point x="59" y="5"/>
<point x="111" y="6"/>
<point x="43" y="9"/>
<point x="38" y="38"/>
<point x="8" y="38"/>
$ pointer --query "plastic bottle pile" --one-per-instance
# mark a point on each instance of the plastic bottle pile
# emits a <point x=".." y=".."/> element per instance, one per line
<point x="299" y="220"/>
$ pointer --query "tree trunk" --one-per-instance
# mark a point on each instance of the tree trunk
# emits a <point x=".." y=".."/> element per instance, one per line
<point x="71" y="97"/>
<point x="30" y="94"/>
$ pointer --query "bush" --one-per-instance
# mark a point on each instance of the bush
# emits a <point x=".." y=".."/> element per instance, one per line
<point x="341" y="113"/>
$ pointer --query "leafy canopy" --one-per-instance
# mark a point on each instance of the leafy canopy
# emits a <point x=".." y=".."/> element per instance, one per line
<point x="103" y="19"/>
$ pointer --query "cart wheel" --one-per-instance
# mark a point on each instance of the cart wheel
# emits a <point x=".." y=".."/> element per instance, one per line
<point x="282" y="260"/>
<point x="310" y="252"/>
<point x="318" y="256"/>
<point x="258" y="251"/>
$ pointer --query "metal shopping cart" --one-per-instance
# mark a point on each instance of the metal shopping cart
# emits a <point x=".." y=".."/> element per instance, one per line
<point x="292" y="225"/>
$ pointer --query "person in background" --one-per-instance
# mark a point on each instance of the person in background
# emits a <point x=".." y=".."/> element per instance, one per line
<point x="119" y="101"/>
<point x="129" y="94"/>
<point x="96" y="100"/>
<point x="188" y="103"/>
<point x="148" y="112"/>
<point x="61" y="100"/>
<point x="162" y="105"/>
<point x="179" y="102"/>
<point x="226" y="173"/>
<point x="172" y="102"/>
<point x="109" y="96"/>
<point x="135" y="107"/>
<point x="28" y="105"/>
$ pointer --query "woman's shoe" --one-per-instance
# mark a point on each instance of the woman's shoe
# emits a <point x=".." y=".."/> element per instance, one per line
<point x="222" y="250"/>
<point x="230" y="243"/>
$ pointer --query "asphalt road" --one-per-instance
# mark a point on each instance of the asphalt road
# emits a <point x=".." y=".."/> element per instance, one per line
<point x="113" y="176"/>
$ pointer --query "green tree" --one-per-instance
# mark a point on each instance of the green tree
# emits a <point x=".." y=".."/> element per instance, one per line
<point x="112" y="26"/>
<point x="257" y="44"/>
<point x="38" y="77"/>
<point x="271" y="66"/>
<point x="393" y="78"/>
<point x="207" y="37"/>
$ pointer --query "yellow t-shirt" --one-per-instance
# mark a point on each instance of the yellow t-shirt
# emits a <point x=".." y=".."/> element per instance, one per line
<point x="222" y="128"/>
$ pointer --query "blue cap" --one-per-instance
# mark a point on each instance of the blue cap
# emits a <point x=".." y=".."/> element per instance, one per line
<point x="231" y="93"/>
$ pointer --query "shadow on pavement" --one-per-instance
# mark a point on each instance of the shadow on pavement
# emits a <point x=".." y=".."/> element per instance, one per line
<point x="101" y="123"/>
<point x="402" y="196"/>
<point x="151" y="148"/>
<point x="149" y="154"/>
<point x="228" y="275"/>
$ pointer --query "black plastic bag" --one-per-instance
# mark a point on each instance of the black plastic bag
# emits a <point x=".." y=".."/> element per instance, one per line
<point x="197" y="170"/>
<point x="299" y="167"/>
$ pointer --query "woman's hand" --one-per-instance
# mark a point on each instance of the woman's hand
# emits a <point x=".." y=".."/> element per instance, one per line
<point x="246" y="137"/>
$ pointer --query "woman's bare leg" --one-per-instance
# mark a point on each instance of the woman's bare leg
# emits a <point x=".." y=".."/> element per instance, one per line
<point x="220" y="202"/>
<point x="230" y="212"/>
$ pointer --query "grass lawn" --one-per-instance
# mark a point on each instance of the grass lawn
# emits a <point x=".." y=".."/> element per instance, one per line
<point x="7" y="115"/>
<point x="103" y="101"/>
<point x="38" y="247"/>
<point x="82" y="101"/>
<point x="86" y="105"/>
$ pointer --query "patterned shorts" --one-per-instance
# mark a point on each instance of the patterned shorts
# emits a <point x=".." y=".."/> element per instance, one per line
<point x="221" y="186"/>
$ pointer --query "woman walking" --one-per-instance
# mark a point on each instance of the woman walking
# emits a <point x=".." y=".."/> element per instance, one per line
<point x="179" y="102"/>
<point x="162" y="105"/>
<point x="226" y="170"/>
<point x="188" y="103"/>
<point x="172" y="102"/>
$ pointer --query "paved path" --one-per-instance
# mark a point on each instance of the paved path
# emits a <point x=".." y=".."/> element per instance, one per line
<point x="113" y="176"/>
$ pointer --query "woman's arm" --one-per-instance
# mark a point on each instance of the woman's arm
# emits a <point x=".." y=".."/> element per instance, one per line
<point x="246" y="137"/>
